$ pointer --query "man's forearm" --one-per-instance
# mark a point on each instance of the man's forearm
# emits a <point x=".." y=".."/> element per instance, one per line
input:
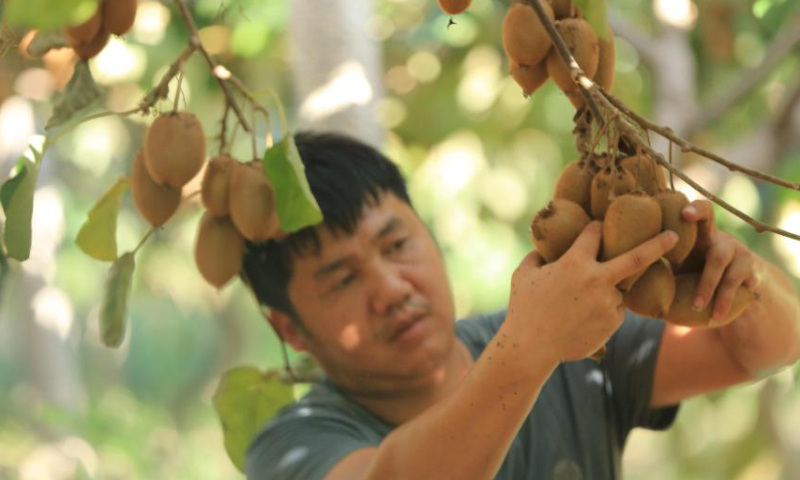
<point x="468" y="434"/>
<point x="767" y="335"/>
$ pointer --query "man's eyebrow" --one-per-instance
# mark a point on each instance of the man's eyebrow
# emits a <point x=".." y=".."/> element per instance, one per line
<point x="331" y="267"/>
<point x="391" y="225"/>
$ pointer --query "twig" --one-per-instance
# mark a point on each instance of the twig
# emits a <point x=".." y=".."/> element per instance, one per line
<point x="162" y="89"/>
<point x="690" y="147"/>
<point x="177" y="93"/>
<point x="779" y="49"/>
<point x="224" y="127"/>
<point x="194" y="39"/>
<point x="584" y="83"/>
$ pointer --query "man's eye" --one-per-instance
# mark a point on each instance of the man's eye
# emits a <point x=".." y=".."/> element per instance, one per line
<point x="397" y="245"/>
<point x="345" y="281"/>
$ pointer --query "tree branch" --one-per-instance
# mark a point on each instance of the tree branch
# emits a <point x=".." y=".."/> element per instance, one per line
<point x="194" y="39"/>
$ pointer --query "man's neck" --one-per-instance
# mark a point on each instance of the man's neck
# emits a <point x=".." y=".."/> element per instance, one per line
<point x="397" y="409"/>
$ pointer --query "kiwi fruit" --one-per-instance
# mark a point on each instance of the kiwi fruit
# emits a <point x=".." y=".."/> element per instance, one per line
<point x="86" y="31"/>
<point x="585" y="48"/>
<point x="524" y="37"/>
<point x="652" y="293"/>
<point x="606" y="62"/>
<point x="682" y="313"/>
<point x="646" y="171"/>
<point x="630" y="220"/>
<point x="575" y="183"/>
<point x="252" y="202"/>
<point x="454" y="7"/>
<point x="529" y="77"/>
<point x="556" y="227"/>
<point x="174" y="148"/>
<point x="672" y="204"/>
<point x="216" y="182"/>
<point x="157" y="203"/>
<point x="90" y="49"/>
<point x="119" y="15"/>
<point x="219" y="249"/>
<point x="607" y="184"/>
<point x="562" y="8"/>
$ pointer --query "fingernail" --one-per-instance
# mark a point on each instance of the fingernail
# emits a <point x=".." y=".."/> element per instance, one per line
<point x="715" y="321"/>
<point x="672" y="236"/>
<point x="698" y="304"/>
<point x="690" y="210"/>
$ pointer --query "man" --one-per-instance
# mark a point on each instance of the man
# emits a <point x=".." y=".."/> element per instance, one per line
<point x="408" y="394"/>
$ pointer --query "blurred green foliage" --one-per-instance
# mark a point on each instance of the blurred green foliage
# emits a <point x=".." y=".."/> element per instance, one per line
<point x="480" y="159"/>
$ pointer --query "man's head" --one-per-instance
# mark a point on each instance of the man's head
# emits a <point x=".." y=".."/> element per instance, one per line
<point x="366" y="292"/>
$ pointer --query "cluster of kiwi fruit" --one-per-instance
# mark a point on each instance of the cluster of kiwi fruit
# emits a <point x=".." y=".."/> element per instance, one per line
<point x="112" y="17"/>
<point x="629" y="194"/>
<point x="239" y="200"/>
<point x="533" y="59"/>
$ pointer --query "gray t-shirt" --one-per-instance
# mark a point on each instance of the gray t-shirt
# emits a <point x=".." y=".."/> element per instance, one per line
<point x="575" y="431"/>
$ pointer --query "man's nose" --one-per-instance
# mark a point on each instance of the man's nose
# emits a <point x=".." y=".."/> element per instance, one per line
<point x="390" y="289"/>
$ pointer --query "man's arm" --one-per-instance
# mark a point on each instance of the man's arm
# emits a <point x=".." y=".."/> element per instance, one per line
<point x="764" y="338"/>
<point x="561" y="311"/>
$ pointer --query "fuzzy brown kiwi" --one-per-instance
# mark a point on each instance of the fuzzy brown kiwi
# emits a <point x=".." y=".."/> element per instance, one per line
<point x="454" y="7"/>
<point x="86" y="31"/>
<point x="606" y="61"/>
<point x="524" y="37"/>
<point x="157" y="203"/>
<point x="683" y="313"/>
<point x="672" y="203"/>
<point x="630" y="220"/>
<point x="252" y="202"/>
<point x="529" y="77"/>
<point x="174" y="148"/>
<point x="575" y="183"/>
<point x="90" y="49"/>
<point x="646" y="171"/>
<point x="584" y="46"/>
<point x="653" y="292"/>
<point x="607" y="184"/>
<point x="119" y="15"/>
<point x="216" y="182"/>
<point x="562" y="9"/>
<point x="556" y="227"/>
<point x="218" y="250"/>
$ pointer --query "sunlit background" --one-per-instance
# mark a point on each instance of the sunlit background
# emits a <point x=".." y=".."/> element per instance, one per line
<point x="480" y="160"/>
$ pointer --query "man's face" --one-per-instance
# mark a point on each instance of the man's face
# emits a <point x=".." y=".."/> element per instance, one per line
<point x="376" y="306"/>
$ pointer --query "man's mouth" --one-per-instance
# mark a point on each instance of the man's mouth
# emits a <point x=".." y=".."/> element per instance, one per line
<point x="405" y="326"/>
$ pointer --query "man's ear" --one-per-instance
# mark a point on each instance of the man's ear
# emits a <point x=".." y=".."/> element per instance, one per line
<point x="287" y="330"/>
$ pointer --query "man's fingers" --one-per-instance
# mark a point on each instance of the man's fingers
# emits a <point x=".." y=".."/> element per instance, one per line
<point x="735" y="275"/>
<point x="588" y="242"/>
<point x="636" y="260"/>
<point x="717" y="262"/>
<point x="702" y="212"/>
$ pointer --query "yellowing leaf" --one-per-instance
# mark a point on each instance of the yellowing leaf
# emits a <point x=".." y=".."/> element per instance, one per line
<point x="115" y="300"/>
<point x="245" y="399"/>
<point x="296" y="205"/>
<point x="98" y="235"/>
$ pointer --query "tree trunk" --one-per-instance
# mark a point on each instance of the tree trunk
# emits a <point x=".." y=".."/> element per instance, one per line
<point x="337" y="69"/>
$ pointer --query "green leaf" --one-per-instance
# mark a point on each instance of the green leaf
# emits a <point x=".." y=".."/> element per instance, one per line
<point x="596" y="13"/>
<point x="81" y="92"/>
<point x="49" y="14"/>
<point x="98" y="235"/>
<point x="297" y="207"/>
<point x="115" y="300"/>
<point x="16" y="196"/>
<point x="245" y="399"/>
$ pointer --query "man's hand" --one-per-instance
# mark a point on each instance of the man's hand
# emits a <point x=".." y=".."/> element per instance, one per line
<point x="572" y="305"/>
<point x="728" y="262"/>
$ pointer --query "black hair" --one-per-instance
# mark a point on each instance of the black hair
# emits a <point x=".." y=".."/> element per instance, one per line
<point x="345" y="176"/>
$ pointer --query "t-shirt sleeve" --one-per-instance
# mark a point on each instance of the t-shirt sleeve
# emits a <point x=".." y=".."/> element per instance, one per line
<point x="630" y="363"/>
<point x="302" y="448"/>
